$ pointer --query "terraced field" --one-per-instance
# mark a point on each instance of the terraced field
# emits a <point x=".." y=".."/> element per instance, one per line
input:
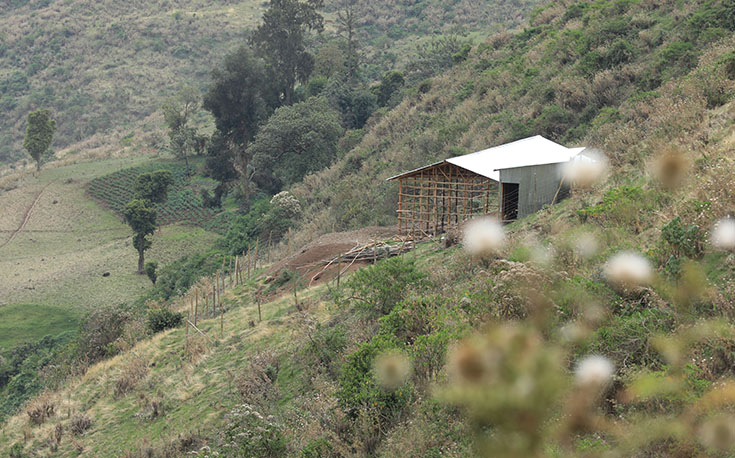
<point x="184" y="204"/>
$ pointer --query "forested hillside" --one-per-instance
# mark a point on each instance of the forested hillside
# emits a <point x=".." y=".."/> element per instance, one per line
<point x="107" y="66"/>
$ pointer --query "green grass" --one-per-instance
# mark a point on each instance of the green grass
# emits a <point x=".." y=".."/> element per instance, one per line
<point x="70" y="241"/>
<point x="30" y="322"/>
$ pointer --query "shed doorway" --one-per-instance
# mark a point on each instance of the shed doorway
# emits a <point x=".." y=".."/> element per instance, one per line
<point x="509" y="198"/>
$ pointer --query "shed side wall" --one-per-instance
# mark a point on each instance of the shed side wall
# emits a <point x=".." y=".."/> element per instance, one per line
<point x="547" y="178"/>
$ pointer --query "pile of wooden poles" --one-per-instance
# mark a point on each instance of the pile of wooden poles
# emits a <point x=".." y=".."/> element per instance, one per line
<point x="370" y="252"/>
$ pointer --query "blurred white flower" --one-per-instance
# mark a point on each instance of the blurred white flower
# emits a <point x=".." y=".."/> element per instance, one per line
<point x="585" y="170"/>
<point x="723" y="234"/>
<point x="542" y="255"/>
<point x="628" y="269"/>
<point x="586" y="245"/>
<point x="483" y="237"/>
<point x="594" y="370"/>
<point x="671" y="168"/>
<point x="392" y="369"/>
<point x="718" y="433"/>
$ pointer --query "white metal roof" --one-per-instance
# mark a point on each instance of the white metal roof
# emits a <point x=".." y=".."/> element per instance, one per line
<point x="520" y="153"/>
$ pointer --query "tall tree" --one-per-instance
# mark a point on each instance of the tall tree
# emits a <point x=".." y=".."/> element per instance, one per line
<point x="240" y="98"/>
<point x="177" y="112"/>
<point x="346" y="25"/>
<point x="150" y="188"/>
<point x="39" y="133"/>
<point x="281" y="41"/>
<point x="141" y="217"/>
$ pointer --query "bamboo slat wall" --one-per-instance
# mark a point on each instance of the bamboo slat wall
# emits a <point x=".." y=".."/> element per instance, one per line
<point x="432" y="200"/>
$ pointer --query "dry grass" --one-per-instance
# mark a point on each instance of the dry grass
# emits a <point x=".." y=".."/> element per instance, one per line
<point x="131" y="376"/>
<point x="41" y="409"/>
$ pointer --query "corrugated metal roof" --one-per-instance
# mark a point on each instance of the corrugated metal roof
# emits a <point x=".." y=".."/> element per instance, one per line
<point x="520" y="153"/>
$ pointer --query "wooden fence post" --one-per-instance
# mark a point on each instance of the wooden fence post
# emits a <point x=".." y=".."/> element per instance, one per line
<point x="339" y="269"/>
<point x="257" y="299"/>
<point x="255" y="266"/>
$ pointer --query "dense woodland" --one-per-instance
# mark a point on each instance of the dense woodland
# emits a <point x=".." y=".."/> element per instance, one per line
<point x="600" y="326"/>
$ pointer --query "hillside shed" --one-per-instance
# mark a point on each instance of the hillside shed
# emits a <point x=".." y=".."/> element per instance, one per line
<point x="509" y="181"/>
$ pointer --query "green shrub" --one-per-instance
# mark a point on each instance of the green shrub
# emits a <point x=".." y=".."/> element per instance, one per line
<point x="162" y="318"/>
<point x="683" y="240"/>
<point x="325" y="346"/>
<point x="248" y="433"/>
<point x="318" y="448"/>
<point x="377" y="289"/>
<point x="625" y="338"/>
<point x="728" y="63"/>
<point x="413" y="318"/>
<point x="150" y="271"/>
<point x="358" y="388"/>
<point x="620" y="205"/>
<point x="429" y="353"/>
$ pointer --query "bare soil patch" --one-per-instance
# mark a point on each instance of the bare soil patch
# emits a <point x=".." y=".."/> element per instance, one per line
<point x="311" y="259"/>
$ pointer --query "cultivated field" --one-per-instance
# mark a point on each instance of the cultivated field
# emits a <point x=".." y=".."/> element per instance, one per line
<point x="67" y="242"/>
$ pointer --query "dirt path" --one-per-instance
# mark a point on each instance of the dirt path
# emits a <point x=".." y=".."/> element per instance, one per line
<point x="27" y="216"/>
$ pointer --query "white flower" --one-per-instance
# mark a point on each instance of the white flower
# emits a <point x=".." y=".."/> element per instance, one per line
<point x="723" y="234"/>
<point x="586" y="245"/>
<point x="585" y="170"/>
<point x="392" y="369"/>
<point x="594" y="370"/>
<point x="628" y="269"/>
<point x="483" y="237"/>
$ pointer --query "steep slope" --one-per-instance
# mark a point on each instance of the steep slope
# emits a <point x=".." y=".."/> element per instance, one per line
<point x="305" y="377"/>
<point x="583" y="75"/>
<point x="105" y="67"/>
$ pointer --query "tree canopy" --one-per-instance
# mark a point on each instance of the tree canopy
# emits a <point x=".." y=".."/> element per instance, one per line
<point x="280" y="40"/>
<point x="39" y="133"/>
<point x="240" y="98"/>
<point x="177" y="112"/>
<point x="296" y="140"/>
<point x="153" y="186"/>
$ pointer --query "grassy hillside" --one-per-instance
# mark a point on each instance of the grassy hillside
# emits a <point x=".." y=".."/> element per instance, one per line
<point x="69" y="241"/>
<point x="440" y="353"/>
<point x="106" y="67"/>
<point x="592" y="74"/>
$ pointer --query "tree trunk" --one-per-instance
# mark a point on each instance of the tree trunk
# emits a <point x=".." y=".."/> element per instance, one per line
<point x="38" y="165"/>
<point x="186" y="161"/>
<point x="141" y="255"/>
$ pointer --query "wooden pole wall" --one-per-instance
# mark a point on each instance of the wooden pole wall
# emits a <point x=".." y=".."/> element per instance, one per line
<point x="435" y="199"/>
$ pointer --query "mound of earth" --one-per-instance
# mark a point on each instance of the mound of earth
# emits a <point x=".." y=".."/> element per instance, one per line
<point x="312" y="258"/>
